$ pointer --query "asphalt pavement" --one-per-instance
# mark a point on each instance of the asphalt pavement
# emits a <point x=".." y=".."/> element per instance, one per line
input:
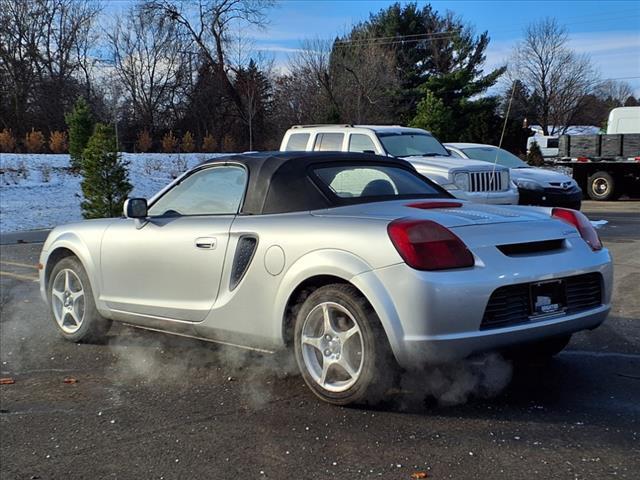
<point x="146" y="405"/>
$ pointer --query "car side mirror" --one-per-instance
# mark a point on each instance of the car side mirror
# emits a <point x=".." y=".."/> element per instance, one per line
<point x="135" y="208"/>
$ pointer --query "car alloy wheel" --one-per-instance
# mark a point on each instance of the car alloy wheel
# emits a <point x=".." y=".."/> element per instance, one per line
<point x="332" y="347"/>
<point x="67" y="300"/>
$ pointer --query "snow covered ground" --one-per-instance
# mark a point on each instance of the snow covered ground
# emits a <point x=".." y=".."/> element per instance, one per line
<point x="37" y="191"/>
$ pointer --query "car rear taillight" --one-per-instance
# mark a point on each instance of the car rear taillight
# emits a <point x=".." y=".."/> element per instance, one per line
<point x="427" y="245"/>
<point x="582" y="224"/>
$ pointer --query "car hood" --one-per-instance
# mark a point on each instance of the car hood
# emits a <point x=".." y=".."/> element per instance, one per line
<point x="540" y="175"/>
<point x="450" y="163"/>
<point x="468" y="213"/>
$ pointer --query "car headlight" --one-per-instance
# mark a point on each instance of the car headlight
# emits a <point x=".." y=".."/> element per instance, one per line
<point x="528" y="185"/>
<point x="462" y="180"/>
<point x="504" y="178"/>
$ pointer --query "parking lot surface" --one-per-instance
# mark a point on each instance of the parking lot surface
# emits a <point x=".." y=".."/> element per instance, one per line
<point x="147" y="405"/>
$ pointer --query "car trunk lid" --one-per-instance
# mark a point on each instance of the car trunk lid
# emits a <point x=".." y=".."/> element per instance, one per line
<point x="450" y="213"/>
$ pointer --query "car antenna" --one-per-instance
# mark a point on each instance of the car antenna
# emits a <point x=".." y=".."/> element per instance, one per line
<point x="504" y="128"/>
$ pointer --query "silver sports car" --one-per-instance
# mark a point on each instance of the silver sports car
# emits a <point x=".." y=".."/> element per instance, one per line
<point x="353" y="260"/>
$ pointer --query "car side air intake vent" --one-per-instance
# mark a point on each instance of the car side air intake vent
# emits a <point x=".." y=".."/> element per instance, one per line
<point x="532" y="247"/>
<point x="242" y="259"/>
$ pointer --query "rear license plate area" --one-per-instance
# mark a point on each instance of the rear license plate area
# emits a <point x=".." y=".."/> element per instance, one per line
<point x="548" y="298"/>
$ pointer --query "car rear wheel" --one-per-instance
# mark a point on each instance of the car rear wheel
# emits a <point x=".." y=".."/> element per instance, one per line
<point x="601" y="186"/>
<point x="72" y="306"/>
<point x="341" y="348"/>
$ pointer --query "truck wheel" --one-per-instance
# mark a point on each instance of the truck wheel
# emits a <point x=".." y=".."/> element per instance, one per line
<point x="601" y="186"/>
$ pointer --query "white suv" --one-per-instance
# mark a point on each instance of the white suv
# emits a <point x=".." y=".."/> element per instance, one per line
<point x="465" y="179"/>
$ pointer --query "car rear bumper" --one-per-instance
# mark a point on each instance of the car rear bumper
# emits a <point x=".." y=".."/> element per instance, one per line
<point x="551" y="198"/>
<point x="420" y="350"/>
<point x="435" y="317"/>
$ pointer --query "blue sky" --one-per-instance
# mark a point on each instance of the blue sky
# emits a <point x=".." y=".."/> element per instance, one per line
<point x="607" y="31"/>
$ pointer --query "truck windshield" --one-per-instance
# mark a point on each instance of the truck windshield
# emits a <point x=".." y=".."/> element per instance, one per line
<point x="408" y="144"/>
<point x="488" y="154"/>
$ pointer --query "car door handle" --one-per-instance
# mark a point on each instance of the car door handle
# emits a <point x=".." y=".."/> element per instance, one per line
<point x="208" y="243"/>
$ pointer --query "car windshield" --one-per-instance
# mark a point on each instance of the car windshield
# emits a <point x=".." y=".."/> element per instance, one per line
<point x="361" y="181"/>
<point x="408" y="144"/>
<point x="488" y="154"/>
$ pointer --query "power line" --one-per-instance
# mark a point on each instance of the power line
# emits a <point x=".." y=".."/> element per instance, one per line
<point x="416" y="37"/>
<point x="620" y="78"/>
<point x="396" y="42"/>
<point x="397" y="37"/>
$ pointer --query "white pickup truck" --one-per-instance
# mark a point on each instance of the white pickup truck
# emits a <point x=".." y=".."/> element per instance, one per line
<point x="465" y="179"/>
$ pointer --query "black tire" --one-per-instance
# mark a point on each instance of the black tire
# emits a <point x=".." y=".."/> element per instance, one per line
<point x="378" y="367"/>
<point x="93" y="327"/>
<point x="602" y="186"/>
<point x="542" y="350"/>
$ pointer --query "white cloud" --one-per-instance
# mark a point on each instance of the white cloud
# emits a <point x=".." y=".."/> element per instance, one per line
<point x="276" y="48"/>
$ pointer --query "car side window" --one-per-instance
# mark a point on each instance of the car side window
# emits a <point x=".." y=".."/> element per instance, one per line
<point x="212" y="191"/>
<point x="329" y="142"/>
<point x="361" y="143"/>
<point x="297" y="142"/>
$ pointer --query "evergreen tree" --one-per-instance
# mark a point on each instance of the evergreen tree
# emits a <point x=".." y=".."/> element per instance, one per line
<point x="534" y="157"/>
<point x="254" y="88"/>
<point x="105" y="183"/>
<point x="631" y="102"/>
<point x="429" y="45"/>
<point x="80" y="123"/>
<point x="432" y="115"/>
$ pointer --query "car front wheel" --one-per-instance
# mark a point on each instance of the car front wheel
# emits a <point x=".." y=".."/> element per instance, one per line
<point x="341" y="348"/>
<point x="72" y="305"/>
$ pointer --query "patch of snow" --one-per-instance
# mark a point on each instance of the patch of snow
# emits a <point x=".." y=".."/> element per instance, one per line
<point x="31" y="203"/>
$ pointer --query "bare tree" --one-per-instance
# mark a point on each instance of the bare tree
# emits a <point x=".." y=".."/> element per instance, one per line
<point x="21" y="33"/>
<point x="152" y="62"/>
<point x="210" y="25"/>
<point x="297" y="99"/>
<point x="364" y="74"/>
<point x="312" y="65"/>
<point x="353" y="80"/>
<point x="44" y="45"/>
<point x="254" y="88"/>
<point x="614" y="92"/>
<point x="558" y="78"/>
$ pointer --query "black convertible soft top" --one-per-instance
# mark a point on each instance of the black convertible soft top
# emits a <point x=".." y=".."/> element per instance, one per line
<point x="280" y="182"/>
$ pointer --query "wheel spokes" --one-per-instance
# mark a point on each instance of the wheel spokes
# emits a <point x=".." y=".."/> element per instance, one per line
<point x="332" y="346"/>
<point x="326" y="364"/>
<point x="67" y="294"/>
<point x="312" y="341"/>
<point x="327" y="324"/>
<point x="58" y="294"/>
<point x="347" y="334"/>
<point x="344" y="364"/>
<point x="72" y="313"/>
<point x="75" y="296"/>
